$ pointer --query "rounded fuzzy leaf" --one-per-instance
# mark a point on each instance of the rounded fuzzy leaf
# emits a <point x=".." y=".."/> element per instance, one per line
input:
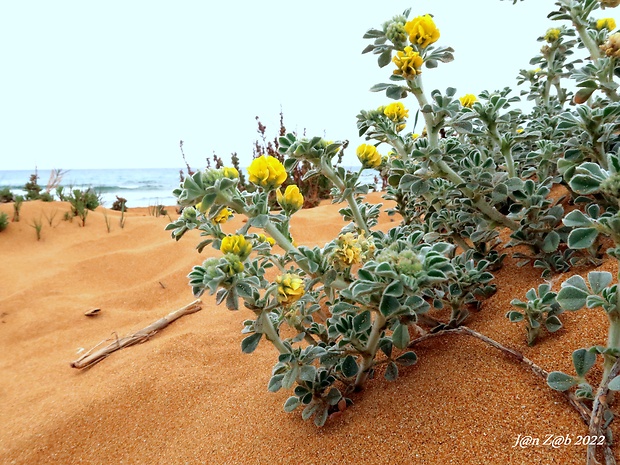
<point x="407" y="359"/>
<point x="584" y="184"/>
<point x="583" y="360"/>
<point x="249" y="344"/>
<point x="571" y="298"/>
<point x="561" y="381"/>
<point x="582" y="238"/>
<point x="614" y="384"/>
<point x="291" y="404"/>
<point x="400" y="337"/>
<point x="391" y="372"/>
<point x="514" y="317"/>
<point x="349" y="366"/>
<point x="576" y="219"/>
<point x="389" y="305"/>
<point x="362" y="321"/>
<point x="599" y="280"/>
<point x="553" y="324"/>
<point x="551" y="242"/>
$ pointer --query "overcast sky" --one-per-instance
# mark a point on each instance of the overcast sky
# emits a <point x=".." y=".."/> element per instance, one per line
<point x="117" y="84"/>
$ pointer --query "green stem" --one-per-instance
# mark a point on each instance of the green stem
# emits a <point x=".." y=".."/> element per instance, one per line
<point x="442" y="168"/>
<point x="372" y="345"/>
<point x="329" y="173"/>
<point x="505" y="151"/>
<point x="271" y="334"/>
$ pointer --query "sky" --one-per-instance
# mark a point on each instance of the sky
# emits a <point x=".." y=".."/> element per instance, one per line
<point x="118" y="84"/>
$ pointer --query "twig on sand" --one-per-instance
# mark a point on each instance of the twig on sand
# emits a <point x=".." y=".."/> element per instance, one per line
<point x="581" y="408"/>
<point x="598" y="411"/>
<point x="593" y="418"/>
<point x="92" y="356"/>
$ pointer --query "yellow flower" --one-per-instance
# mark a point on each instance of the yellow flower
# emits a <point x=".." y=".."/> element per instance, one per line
<point x="369" y="156"/>
<point x="222" y="216"/>
<point x="237" y="245"/>
<point x="292" y="200"/>
<point x="468" y="100"/>
<point x="611" y="48"/>
<point x="290" y="288"/>
<point x="262" y="238"/>
<point x="422" y="31"/>
<point x="415" y="135"/>
<point x="408" y="63"/>
<point x="234" y="265"/>
<point x="351" y="250"/>
<point x="396" y="111"/>
<point x="606" y="23"/>
<point x="520" y="130"/>
<point x="552" y="34"/>
<point x="230" y="172"/>
<point x="267" y="172"/>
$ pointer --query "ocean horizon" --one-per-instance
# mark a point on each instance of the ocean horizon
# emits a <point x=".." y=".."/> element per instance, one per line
<point x="141" y="187"/>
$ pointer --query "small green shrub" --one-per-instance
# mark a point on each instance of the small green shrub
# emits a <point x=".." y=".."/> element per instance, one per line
<point x="6" y="195"/>
<point x="83" y="201"/>
<point x="17" y="206"/>
<point x="32" y="187"/>
<point x="4" y="221"/>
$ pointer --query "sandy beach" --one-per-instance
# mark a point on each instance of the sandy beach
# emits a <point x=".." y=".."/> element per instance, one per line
<point x="189" y="395"/>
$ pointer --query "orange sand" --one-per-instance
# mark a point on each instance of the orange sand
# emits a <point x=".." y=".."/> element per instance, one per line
<point x="189" y="395"/>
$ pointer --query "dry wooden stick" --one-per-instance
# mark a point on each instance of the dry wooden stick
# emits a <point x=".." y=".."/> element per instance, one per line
<point x="92" y="356"/>
<point x="598" y="410"/>
<point x="578" y="405"/>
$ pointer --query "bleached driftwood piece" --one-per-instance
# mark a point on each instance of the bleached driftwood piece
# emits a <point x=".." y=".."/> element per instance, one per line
<point x="95" y="355"/>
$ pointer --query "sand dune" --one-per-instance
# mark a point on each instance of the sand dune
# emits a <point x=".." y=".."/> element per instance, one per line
<point x="189" y="395"/>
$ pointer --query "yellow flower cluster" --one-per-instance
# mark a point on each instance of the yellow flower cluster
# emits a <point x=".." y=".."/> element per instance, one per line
<point x="611" y="48"/>
<point x="369" y="156"/>
<point x="267" y="172"/>
<point x="236" y="245"/>
<point x="606" y="23"/>
<point x="422" y="31"/>
<point x="230" y="172"/>
<point x="408" y="63"/>
<point x="290" y="288"/>
<point x="262" y="238"/>
<point x="351" y="250"/>
<point x="552" y="34"/>
<point x="222" y="216"/>
<point x="292" y="199"/>
<point x="468" y="100"/>
<point x="396" y="111"/>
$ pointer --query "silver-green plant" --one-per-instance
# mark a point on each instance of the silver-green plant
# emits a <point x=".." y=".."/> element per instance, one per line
<point x="479" y="167"/>
<point x="540" y="309"/>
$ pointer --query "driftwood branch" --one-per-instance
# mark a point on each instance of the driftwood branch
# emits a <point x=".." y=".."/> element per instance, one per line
<point x="578" y="405"/>
<point x="591" y="418"/>
<point x="598" y="410"/>
<point x="93" y="356"/>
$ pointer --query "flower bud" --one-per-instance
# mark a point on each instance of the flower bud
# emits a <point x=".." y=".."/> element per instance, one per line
<point x="234" y="265"/>
<point x="189" y="213"/>
<point x="369" y="156"/>
<point x="237" y="245"/>
<point x="609" y="3"/>
<point x="292" y="200"/>
<point x="267" y="172"/>
<point x="262" y="238"/>
<point x="290" y="288"/>
<point x="552" y="35"/>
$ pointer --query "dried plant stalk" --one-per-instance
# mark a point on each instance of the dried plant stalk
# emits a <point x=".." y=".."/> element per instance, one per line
<point x="94" y="356"/>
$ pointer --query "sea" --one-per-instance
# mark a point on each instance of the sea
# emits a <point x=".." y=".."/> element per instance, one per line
<point x="141" y="187"/>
